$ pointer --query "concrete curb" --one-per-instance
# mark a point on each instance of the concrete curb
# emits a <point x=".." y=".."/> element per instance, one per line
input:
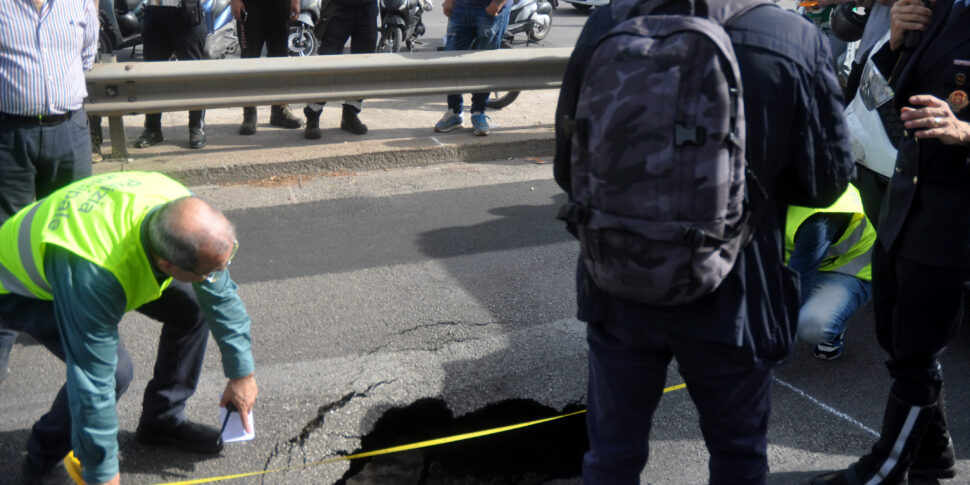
<point x="400" y="135"/>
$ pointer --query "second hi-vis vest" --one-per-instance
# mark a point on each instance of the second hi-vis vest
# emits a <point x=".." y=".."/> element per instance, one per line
<point x="852" y="252"/>
<point x="99" y="219"/>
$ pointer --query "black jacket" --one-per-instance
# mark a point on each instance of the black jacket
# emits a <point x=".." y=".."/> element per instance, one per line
<point x="926" y="212"/>
<point x="798" y="147"/>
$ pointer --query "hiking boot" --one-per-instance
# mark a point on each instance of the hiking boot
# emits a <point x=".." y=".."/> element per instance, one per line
<point x="448" y="122"/>
<point x="350" y="122"/>
<point x="280" y="115"/>
<point x="152" y="135"/>
<point x="196" y="129"/>
<point x="831" y="350"/>
<point x="312" y="130"/>
<point x="480" y="124"/>
<point x="248" y="126"/>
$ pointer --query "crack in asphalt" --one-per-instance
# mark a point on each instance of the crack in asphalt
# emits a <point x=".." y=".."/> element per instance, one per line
<point x="315" y="424"/>
<point x="433" y="348"/>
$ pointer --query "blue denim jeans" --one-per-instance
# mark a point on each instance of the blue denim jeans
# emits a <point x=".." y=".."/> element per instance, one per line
<point x="474" y="29"/>
<point x="828" y="298"/>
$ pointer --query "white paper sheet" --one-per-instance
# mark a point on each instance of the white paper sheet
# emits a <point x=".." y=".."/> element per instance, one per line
<point x="233" y="430"/>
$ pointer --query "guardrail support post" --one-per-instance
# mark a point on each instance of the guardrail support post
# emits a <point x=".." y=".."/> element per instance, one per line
<point x="119" y="146"/>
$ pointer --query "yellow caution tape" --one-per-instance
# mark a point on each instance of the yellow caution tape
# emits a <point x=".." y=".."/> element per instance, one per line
<point x="383" y="451"/>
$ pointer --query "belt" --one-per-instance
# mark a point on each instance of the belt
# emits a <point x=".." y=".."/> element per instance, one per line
<point x="41" y="120"/>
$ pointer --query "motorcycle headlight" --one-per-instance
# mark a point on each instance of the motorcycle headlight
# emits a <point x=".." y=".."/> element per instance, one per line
<point x="873" y="88"/>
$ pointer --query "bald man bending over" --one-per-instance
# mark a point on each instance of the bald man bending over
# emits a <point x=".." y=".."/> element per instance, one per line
<point x="73" y="263"/>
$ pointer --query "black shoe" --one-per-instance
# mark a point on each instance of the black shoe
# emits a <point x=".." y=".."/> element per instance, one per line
<point x="187" y="436"/>
<point x="351" y="122"/>
<point x="280" y="115"/>
<point x="55" y="476"/>
<point x="196" y="129"/>
<point x="312" y="130"/>
<point x="151" y="136"/>
<point x="248" y="126"/>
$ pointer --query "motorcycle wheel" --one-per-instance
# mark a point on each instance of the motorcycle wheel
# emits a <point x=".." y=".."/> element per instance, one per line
<point x="390" y="40"/>
<point x="580" y="6"/>
<point x="301" y="42"/>
<point x="104" y="46"/>
<point x="543" y="22"/>
<point x="499" y="100"/>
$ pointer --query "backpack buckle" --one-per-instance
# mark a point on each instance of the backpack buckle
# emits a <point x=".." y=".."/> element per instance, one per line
<point x="684" y="135"/>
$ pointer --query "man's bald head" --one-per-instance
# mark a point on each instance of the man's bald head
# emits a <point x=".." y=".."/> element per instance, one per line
<point x="189" y="231"/>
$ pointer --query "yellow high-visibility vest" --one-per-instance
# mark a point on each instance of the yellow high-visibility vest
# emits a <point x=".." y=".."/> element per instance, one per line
<point x="852" y="252"/>
<point x="99" y="219"/>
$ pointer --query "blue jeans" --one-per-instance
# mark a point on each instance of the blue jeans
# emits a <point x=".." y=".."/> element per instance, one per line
<point x="474" y="29"/>
<point x="828" y="298"/>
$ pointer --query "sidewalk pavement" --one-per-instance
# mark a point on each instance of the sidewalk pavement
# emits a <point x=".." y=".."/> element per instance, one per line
<point x="401" y="133"/>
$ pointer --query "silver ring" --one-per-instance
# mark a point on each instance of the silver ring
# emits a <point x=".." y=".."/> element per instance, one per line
<point x="937" y="121"/>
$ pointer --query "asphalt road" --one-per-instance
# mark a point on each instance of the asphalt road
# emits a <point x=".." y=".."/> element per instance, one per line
<point x="398" y="300"/>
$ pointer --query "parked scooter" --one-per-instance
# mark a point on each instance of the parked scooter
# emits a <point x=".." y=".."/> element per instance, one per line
<point x="221" y="39"/>
<point x="401" y="23"/>
<point x="534" y="17"/>
<point x="303" y="39"/>
<point x="126" y="32"/>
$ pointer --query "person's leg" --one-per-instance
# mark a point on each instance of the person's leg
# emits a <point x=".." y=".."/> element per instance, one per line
<point x="181" y="350"/>
<point x="733" y="399"/>
<point x="488" y="36"/>
<point x="918" y="309"/>
<point x="275" y="31"/>
<point x="363" y="40"/>
<point x="251" y="36"/>
<point x="65" y="154"/>
<point x="50" y="437"/>
<point x="460" y="36"/>
<point x="190" y="45"/>
<point x="158" y="45"/>
<point x="339" y="29"/>
<point x="19" y="148"/>
<point x="833" y="299"/>
<point x="627" y="372"/>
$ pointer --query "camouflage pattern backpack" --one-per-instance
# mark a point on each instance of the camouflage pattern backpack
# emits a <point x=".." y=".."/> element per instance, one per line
<point x="659" y="196"/>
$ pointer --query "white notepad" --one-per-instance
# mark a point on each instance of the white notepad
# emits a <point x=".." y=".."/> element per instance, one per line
<point x="233" y="429"/>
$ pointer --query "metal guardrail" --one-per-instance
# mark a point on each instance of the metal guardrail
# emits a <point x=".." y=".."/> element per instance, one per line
<point x="121" y="88"/>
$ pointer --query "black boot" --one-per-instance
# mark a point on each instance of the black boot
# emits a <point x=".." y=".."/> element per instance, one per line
<point x="934" y="456"/>
<point x="248" y="126"/>
<point x="351" y="122"/>
<point x="901" y="422"/>
<point x="152" y="134"/>
<point x="196" y="129"/>
<point x="312" y="131"/>
<point x="280" y="115"/>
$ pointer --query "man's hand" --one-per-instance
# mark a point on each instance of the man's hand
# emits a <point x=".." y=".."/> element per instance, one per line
<point x="935" y="120"/>
<point x="494" y="7"/>
<point x="116" y="480"/>
<point x="907" y="15"/>
<point x="237" y="7"/>
<point x="447" y="7"/>
<point x="242" y="392"/>
<point x="294" y="9"/>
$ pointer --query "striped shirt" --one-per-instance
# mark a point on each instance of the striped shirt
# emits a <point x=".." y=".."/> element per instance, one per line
<point x="43" y="55"/>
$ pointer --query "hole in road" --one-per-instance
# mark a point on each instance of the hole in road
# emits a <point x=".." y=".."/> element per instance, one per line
<point x="532" y="455"/>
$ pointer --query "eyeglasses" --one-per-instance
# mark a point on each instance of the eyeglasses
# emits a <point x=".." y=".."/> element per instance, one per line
<point x="213" y="276"/>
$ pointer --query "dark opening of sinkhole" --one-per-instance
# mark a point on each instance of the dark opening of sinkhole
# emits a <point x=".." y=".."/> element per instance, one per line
<point x="537" y="454"/>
